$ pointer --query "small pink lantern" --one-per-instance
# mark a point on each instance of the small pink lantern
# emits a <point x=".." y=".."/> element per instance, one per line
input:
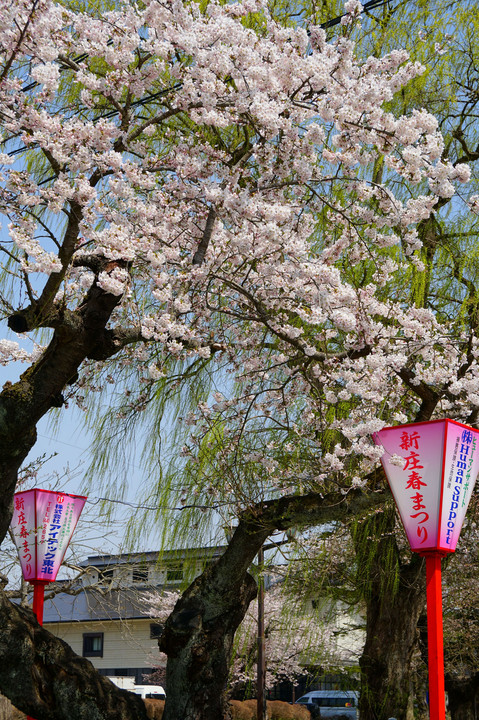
<point x="432" y="468"/>
<point x="42" y="525"/>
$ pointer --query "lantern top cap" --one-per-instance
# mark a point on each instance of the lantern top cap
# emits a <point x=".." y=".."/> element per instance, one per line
<point x="57" y="492"/>
<point x="427" y="422"/>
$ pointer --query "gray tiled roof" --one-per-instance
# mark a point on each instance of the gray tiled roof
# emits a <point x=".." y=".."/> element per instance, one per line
<point x="93" y="604"/>
<point x="151" y="557"/>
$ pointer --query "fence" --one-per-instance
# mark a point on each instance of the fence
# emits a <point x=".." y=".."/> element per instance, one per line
<point x="8" y="712"/>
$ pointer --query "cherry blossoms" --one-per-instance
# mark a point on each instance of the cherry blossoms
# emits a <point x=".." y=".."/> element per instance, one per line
<point x="239" y="188"/>
<point x="294" y="637"/>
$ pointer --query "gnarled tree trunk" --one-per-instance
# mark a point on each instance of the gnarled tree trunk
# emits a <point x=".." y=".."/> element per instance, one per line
<point x="199" y="633"/>
<point x="395" y="597"/>
<point x="42" y="676"/>
<point x="391" y="636"/>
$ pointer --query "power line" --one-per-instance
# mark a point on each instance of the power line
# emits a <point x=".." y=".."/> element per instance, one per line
<point x="95" y="500"/>
<point x="82" y="450"/>
<point x="370" y="5"/>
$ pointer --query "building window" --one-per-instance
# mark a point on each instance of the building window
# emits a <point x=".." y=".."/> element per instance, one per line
<point x="140" y="575"/>
<point x="155" y="630"/>
<point x="92" y="644"/>
<point x="106" y="575"/>
<point x="174" y="573"/>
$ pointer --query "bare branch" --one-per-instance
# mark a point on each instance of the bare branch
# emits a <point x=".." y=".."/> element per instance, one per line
<point x="200" y="253"/>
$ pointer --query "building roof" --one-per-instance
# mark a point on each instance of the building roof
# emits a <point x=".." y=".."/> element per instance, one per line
<point x="152" y="556"/>
<point x="92" y="604"/>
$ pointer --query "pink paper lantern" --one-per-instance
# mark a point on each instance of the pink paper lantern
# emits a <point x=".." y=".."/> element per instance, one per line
<point x="431" y="468"/>
<point x="42" y="524"/>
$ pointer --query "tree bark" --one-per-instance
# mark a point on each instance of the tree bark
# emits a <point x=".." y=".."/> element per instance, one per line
<point x="391" y="635"/>
<point x="199" y="633"/>
<point x="42" y="676"/>
<point x="78" y="335"/>
<point x="395" y="597"/>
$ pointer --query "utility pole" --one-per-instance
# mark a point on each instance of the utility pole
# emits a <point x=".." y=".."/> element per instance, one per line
<point x="260" y="678"/>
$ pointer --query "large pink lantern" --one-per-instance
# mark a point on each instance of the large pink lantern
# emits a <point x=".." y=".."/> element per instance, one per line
<point x="42" y="525"/>
<point x="431" y="468"/>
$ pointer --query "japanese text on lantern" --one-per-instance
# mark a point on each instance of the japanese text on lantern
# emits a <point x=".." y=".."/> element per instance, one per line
<point x="415" y="481"/>
<point x="23" y="532"/>
<point x="52" y="540"/>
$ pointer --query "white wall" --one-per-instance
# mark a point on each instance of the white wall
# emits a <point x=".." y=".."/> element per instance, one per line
<point x="126" y="643"/>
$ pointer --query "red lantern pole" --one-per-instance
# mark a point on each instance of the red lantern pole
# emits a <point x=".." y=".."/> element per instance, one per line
<point x="437" y="703"/>
<point x="38" y="598"/>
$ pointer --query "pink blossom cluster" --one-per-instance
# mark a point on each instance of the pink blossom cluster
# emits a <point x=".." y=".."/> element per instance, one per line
<point x="222" y="173"/>
<point x="295" y="635"/>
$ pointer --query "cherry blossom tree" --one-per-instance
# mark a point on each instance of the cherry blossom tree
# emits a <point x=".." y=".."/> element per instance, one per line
<point x="198" y="183"/>
<point x="446" y="286"/>
<point x="294" y="635"/>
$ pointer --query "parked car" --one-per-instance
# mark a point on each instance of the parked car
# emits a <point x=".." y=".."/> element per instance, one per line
<point x="331" y="704"/>
<point x="156" y="692"/>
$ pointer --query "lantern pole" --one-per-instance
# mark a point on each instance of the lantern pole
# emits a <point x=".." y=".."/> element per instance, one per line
<point x="437" y="703"/>
<point x="261" y="666"/>
<point x="432" y="485"/>
<point x="38" y="598"/>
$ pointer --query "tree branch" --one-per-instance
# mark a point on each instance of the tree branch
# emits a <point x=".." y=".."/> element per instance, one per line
<point x="200" y="253"/>
<point x="429" y="397"/>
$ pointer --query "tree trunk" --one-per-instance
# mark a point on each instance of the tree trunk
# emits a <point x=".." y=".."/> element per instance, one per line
<point x="78" y="335"/>
<point x="385" y="663"/>
<point x="199" y="633"/>
<point x="395" y="597"/>
<point x="43" y="677"/>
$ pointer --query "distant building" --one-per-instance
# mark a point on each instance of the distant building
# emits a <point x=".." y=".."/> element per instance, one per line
<point x="106" y="618"/>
